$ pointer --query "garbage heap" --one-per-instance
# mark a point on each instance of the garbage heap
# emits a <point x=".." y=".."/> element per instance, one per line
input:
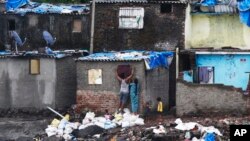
<point x="191" y="128"/>
<point x="64" y="128"/>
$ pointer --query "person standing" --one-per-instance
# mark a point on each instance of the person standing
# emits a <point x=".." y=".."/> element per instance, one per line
<point x="124" y="89"/>
<point x="134" y="95"/>
<point x="159" y="108"/>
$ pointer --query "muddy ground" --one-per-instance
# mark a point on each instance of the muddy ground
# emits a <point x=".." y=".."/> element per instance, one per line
<point x="28" y="127"/>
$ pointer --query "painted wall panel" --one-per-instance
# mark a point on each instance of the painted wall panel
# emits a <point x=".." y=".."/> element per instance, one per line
<point x="216" y="31"/>
<point x="229" y="69"/>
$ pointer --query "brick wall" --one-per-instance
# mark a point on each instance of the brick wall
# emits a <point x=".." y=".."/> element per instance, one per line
<point x="161" y="31"/>
<point x="205" y="99"/>
<point x="97" y="101"/>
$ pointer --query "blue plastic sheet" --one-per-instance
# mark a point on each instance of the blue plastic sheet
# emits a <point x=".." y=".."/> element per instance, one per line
<point x="14" y="4"/>
<point x="244" y="10"/>
<point x="43" y="8"/>
<point x="210" y="137"/>
<point x="152" y="59"/>
<point x="5" y="53"/>
<point x="209" y="2"/>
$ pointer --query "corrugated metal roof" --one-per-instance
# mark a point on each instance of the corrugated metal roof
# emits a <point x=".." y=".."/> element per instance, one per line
<point x="55" y="55"/>
<point x="224" y="9"/>
<point x="111" y="60"/>
<point x="30" y="56"/>
<point x="121" y="1"/>
<point x="140" y="1"/>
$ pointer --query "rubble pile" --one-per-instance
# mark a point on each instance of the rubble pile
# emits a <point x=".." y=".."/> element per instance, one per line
<point x="168" y="129"/>
<point x="64" y="128"/>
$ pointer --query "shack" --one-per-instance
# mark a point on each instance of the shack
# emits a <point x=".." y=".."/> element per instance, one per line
<point x="34" y="81"/>
<point x="98" y="87"/>
<point x="69" y="24"/>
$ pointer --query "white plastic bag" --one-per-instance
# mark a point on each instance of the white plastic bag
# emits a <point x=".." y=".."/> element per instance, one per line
<point x="139" y="121"/>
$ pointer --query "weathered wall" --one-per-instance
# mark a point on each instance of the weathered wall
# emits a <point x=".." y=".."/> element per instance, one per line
<point x="229" y="69"/>
<point x="19" y="89"/>
<point x="153" y="83"/>
<point x="161" y="31"/>
<point x="216" y="31"/>
<point x="157" y="85"/>
<point x="106" y="95"/>
<point x="60" y="26"/>
<point x="65" y="94"/>
<point x="206" y="99"/>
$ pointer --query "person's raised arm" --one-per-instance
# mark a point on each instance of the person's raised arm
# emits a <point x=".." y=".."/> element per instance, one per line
<point x="118" y="77"/>
<point x="130" y="76"/>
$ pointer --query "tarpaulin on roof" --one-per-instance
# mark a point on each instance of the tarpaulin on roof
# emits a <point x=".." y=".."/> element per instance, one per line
<point x="43" y="8"/>
<point x="152" y="59"/>
<point x="209" y="2"/>
<point x="244" y="9"/>
<point x="14" y="4"/>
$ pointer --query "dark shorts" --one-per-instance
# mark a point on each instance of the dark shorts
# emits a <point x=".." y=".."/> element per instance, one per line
<point x="124" y="97"/>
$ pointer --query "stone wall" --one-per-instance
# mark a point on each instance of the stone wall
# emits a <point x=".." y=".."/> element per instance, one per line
<point x="205" y="99"/>
<point x="161" y="31"/>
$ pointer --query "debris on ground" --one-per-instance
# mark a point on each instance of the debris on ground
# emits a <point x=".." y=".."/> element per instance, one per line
<point x="171" y="128"/>
<point x="91" y="125"/>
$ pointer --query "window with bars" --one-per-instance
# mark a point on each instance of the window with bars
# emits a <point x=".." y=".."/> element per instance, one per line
<point x="131" y="17"/>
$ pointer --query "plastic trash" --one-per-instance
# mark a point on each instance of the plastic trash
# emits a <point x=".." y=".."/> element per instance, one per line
<point x="186" y="126"/>
<point x="73" y="125"/>
<point x="60" y="132"/>
<point x="109" y="125"/>
<point x="100" y="124"/>
<point x="62" y="124"/>
<point x="100" y="119"/>
<point x="139" y="121"/>
<point x="86" y="121"/>
<point x="160" y="130"/>
<point x="66" y="117"/>
<point x="90" y="115"/>
<point x="85" y="126"/>
<point x="126" y="111"/>
<point x="210" y="129"/>
<point x="67" y="137"/>
<point x="68" y="130"/>
<point x="188" y="135"/>
<point x="210" y="137"/>
<point x="125" y="124"/>
<point x="55" y="122"/>
<point x="51" y="129"/>
<point x="51" y="134"/>
<point x="118" y="117"/>
<point x="97" y="135"/>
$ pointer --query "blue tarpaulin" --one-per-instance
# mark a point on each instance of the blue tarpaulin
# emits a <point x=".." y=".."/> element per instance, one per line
<point x="208" y="2"/>
<point x="43" y="8"/>
<point x="244" y="10"/>
<point x="210" y="137"/>
<point x="152" y="59"/>
<point x="14" y="4"/>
